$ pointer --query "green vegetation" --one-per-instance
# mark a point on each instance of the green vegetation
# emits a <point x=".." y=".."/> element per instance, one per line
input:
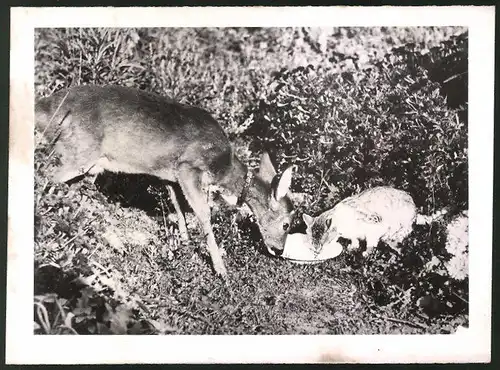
<point x="352" y="108"/>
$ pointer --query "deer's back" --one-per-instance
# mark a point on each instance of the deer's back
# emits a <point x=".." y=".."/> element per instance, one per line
<point x="139" y="129"/>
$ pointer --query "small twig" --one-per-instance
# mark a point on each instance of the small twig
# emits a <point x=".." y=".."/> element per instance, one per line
<point x="409" y="323"/>
<point x="80" y="69"/>
<point x="163" y="213"/>
<point x="99" y="266"/>
<point x="70" y="240"/>
<point x="39" y="196"/>
<point x="294" y="96"/>
<point x="453" y="77"/>
<point x="302" y="109"/>
<point x="322" y="181"/>
<point x="43" y="317"/>
<point x="69" y="328"/>
<point x="459" y="297"/>
<point x="192" y="315"/>
<point x="85" y="229"/>
<point x="78" y="211"/>
<point x="295" y="157"/>
<point x="93" y="251"/>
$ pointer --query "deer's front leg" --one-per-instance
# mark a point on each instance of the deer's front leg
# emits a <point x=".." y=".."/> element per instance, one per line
<point x="190" y="180"/>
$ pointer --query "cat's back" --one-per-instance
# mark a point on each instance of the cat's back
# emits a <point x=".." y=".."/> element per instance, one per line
<point x="383" y="204"/>
<point x="385" y="201"/>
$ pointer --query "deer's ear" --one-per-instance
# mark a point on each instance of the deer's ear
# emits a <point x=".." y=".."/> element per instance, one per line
<point x="308" y="220"/>
<point x="282" y="186"/>
<point x="266" y="168"/>
<point x="328" y="223"/>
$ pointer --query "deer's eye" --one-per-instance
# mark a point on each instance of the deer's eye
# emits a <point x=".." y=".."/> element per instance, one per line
<point x="286" y="226"/>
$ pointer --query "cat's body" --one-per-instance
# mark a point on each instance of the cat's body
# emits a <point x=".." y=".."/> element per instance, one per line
<point x="378" y="214"/>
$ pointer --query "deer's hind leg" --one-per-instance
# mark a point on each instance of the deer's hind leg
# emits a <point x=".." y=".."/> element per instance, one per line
<point x="191" y="181"/>
<point x="181" y="219"/>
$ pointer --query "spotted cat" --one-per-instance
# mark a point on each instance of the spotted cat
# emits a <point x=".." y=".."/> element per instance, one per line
<point x="378" y="214"/>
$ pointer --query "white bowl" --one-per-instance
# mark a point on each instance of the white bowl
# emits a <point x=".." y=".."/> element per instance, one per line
<point x="298" y="249"/>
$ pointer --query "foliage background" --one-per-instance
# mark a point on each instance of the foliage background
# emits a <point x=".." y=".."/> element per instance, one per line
<point x="351" y="107"/>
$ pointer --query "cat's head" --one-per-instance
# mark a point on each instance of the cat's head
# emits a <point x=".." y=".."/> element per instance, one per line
<point x="320" y="230"/>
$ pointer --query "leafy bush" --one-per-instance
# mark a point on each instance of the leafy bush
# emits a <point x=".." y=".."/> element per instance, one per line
<point x="446" y="64"/>
<point x="387" y="125"/>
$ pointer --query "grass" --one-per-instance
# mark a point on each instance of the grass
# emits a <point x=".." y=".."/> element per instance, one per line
<point x="344" y="105"/>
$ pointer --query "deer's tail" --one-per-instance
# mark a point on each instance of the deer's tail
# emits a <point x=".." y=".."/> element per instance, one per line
<point x="49" y="109"/>
<point x="425" y="219"/>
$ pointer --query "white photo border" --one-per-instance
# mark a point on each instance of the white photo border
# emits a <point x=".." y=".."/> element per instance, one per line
<point x="23" y="347"/>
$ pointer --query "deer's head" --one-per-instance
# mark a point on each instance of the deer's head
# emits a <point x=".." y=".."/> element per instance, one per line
<point x="268" y="197"/>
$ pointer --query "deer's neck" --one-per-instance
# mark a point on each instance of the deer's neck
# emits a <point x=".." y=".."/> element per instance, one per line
<point x="235" y="182"/>
<point x="245" y="186"/>
<point x="257" y="195"/>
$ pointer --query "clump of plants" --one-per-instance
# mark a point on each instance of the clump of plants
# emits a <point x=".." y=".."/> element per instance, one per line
<point x="387" y="125"/>
<point x="108" y="258"/>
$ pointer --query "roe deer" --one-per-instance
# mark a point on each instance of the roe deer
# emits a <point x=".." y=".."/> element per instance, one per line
<point x="378" y="214"/>
<point x="121" y="129"/>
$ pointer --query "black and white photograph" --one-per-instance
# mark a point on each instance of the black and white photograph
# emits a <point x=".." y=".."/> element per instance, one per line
<point x="265" y="181"/>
